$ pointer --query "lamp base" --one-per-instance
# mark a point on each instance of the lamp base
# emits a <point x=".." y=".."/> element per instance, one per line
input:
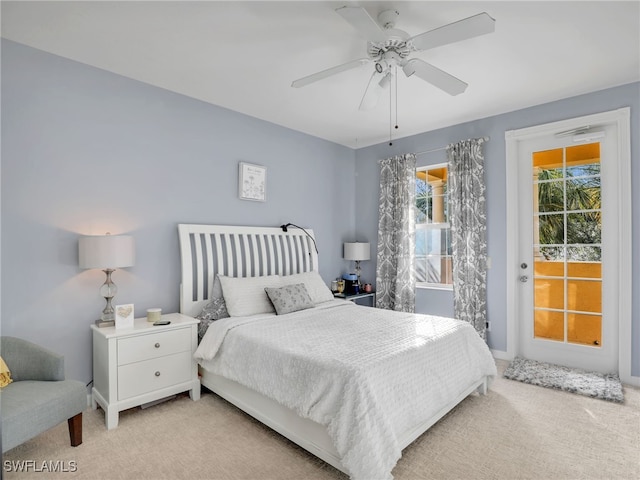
<point x="105" y="323"/>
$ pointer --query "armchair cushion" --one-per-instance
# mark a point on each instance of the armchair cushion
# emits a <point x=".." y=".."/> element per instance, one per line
<point x="39" y="397"/>
<point x="31" y="407"/>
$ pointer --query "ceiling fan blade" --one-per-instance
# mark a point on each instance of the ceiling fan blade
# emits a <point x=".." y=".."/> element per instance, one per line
<point x="479" y="24"/>
<point x="435" y="76"/>
<point x="360" y="19"/>
<point x="377" y="84"/>
<point x="301" y="82"/>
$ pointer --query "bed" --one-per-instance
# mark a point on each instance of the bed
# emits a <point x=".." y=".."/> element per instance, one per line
<point x="351" y="384"/>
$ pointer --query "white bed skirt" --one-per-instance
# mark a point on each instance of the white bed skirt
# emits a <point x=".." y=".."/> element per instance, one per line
<point x="306" y="433"/>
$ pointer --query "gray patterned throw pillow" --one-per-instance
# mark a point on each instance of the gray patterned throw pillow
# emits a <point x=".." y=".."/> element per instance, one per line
<point x="212" y="311"/>
<point x="289" y="298"/>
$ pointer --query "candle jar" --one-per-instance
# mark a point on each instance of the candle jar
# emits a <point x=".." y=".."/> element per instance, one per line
<point x="154" y="314"/>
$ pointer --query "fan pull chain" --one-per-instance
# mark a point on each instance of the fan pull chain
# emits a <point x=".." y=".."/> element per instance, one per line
<point x="390" y="116"/>
<point x="391" y="106"/>
<point x="396" y="98"/>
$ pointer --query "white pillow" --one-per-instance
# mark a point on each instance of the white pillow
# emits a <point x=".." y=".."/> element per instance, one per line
<point x="246" y="296"/>
<point x="318" y="290"/>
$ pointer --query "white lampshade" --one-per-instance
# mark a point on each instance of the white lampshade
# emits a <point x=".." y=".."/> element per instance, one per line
<point x="106" y="251"/>
<point x="357" y="251"/>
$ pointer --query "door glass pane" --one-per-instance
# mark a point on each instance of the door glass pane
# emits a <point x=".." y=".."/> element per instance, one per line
<point x="584" y="253"/>
<point x="585" y="329"/>
<point x="549" y="269"/>
<point x="551" y="229"/>
<point x="583" y="191"/>
<point x="583" y="228"/>
<point x="551" y="196"/>
<point x="584" y="295"/>
<point x="548" y="160"/>
<point x="549" y="293"/>
<point x="567" y="230"/>
<point x="551" y="253"/>
<point x="549" y="325"/>
<point x="584" y="269"/>
<point x="580" y="158"/>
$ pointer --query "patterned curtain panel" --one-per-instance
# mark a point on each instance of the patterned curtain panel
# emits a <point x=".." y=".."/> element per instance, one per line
<point x="395" y="272"/>
<point x="468" y="232"/>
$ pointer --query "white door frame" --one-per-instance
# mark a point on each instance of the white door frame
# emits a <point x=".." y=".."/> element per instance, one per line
<point x="620" y="118"/>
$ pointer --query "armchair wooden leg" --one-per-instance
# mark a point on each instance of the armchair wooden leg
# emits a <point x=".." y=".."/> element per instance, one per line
<point x="75" y="429"/>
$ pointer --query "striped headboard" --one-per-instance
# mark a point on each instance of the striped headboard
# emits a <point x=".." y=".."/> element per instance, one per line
<point x="207" y="250"/>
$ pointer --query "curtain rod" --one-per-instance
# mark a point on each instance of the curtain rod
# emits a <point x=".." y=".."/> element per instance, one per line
<point x="486" y="139"/>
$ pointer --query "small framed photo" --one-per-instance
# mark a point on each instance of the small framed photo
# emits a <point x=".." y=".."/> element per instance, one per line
<point x="252" y="182"/>
<point x="124" y="316"/>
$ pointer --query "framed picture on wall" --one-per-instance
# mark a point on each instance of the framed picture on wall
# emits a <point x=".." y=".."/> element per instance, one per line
<point x="124" y="316"/>
<point x="252" y="182"/>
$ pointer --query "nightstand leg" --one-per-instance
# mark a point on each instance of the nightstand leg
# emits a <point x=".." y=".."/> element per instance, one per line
<point x="194" y="393"/>
<point x="111" y="418"/>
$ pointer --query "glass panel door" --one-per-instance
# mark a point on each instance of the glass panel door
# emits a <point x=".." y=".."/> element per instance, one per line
<point x="567" y="245"/>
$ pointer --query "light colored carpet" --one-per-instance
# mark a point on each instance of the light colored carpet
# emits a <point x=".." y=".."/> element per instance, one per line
<point x="574" y="380"/>
<point x="517" y="431"/>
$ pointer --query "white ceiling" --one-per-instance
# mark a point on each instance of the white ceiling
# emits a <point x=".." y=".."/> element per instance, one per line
<point x="244" y="56"/>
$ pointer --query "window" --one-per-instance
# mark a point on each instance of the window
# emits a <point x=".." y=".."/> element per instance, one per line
<point x="434" y="263"/>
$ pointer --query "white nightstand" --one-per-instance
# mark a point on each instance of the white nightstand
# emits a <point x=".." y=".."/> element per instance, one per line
<point x="145" y="363"/>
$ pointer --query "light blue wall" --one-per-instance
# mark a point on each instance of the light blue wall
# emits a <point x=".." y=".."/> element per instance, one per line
<point x="85" y="151"/>
<point x="439" y="302"/>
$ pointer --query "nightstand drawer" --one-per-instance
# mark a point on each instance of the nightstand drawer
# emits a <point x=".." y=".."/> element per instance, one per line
<point x="146" y="347"/>
<point x="144" y="377"/>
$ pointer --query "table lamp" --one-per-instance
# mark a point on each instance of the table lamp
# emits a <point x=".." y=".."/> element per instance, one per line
<point x="357" y="251"/>
<point x="106" y="252"/>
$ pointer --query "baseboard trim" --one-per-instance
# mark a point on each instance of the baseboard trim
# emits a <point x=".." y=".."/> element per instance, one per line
<point x="501" y="355"/>
<point x="631" y="381"/>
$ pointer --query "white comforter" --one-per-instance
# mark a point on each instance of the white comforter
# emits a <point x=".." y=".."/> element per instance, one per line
<point x="366" y="374"/>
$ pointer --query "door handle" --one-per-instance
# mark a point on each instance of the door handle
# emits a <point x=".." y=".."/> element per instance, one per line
<point x="524" y="278"/>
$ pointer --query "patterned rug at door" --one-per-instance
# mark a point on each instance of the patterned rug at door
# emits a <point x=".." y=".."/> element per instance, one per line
<point x="582" y="382"/>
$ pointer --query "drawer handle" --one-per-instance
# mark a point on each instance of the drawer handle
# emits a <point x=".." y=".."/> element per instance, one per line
<point x="157" y="374"/>
<point x="157" y="345"/>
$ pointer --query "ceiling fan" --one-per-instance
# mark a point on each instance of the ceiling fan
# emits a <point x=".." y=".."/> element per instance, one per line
<point x="389" y="48"/>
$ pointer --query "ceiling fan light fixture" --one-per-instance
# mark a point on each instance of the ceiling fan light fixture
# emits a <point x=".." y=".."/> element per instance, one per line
<point x="408" y="68"/>
<point x="385" y="81"/>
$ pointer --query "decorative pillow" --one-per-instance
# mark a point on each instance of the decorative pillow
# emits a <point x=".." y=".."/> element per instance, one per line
<point x="212" y="311"/>
<point x="289" y="298"/>
<point x="246" y="296"/>
<point x="5" y="374"/>
<point x="318" y="290"/>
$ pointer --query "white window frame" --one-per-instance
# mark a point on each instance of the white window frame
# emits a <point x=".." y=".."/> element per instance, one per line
<point x="433" y="226"/>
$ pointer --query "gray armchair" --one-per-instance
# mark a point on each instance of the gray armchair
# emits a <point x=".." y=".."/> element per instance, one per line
<point x="39" y="397"/>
